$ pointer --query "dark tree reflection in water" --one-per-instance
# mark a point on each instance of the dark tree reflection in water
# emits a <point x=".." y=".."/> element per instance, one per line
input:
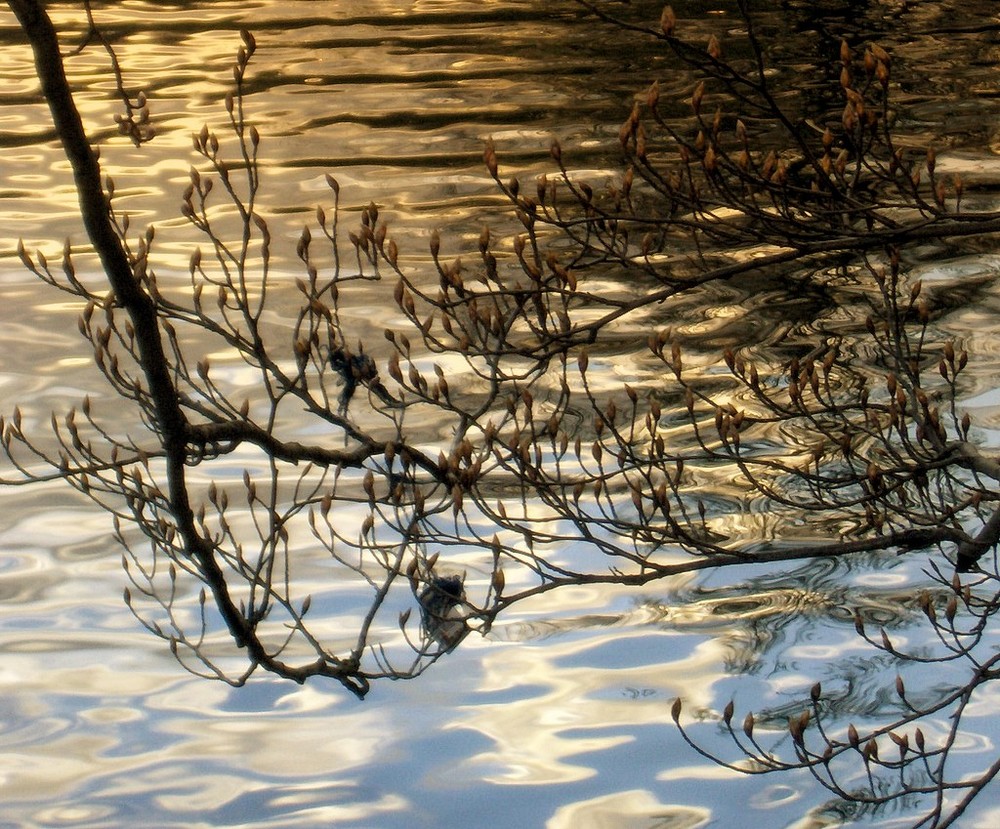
<point x="721" y="361"/>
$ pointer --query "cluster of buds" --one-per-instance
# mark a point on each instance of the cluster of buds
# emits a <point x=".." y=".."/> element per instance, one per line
<point x="134" y="121"/>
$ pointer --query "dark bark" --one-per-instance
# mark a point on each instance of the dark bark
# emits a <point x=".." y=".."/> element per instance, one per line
<point x="174" y="430"/>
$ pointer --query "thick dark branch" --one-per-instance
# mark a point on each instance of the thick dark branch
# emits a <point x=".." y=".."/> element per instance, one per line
<point x="170" y="421"/>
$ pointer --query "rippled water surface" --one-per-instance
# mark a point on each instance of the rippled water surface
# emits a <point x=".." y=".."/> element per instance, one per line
<point x="560" y="716"/>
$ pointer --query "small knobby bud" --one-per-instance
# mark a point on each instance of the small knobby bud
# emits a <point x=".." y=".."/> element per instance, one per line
<point x="880" y="54"/>
<point x="709" y="160"/>
<point x="640" y="144"/>
<point x="697" y="96"/>
<point x="490" y="158"/>
<point x="797" y="726"/>
<point x="849" y="118"/>
<point x="499" y="580"/>
<point x="668" y="21"/>
<point x="653" y="95"/>
<point x="555" y="150"/>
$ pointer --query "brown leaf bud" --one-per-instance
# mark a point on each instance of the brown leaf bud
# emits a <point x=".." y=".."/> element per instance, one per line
<point x="668" y="22"/>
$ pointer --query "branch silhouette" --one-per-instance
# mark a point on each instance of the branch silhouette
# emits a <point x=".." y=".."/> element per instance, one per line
<point x="543" y="470"/>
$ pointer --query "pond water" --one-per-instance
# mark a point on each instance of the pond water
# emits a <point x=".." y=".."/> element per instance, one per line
<point x="560" y="716"/>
